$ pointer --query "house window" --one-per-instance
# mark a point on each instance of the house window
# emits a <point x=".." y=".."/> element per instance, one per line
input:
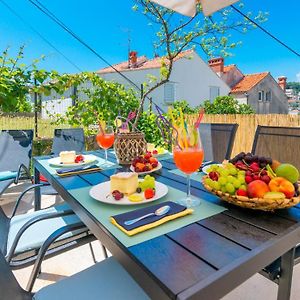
<point x="214" y="92"/>
<point x="268" y="96"/>
<point x="169" y="92"/>
<point x="261" y="96"/>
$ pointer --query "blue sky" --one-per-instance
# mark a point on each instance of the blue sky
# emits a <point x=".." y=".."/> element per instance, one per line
<point x="104" y="25"/>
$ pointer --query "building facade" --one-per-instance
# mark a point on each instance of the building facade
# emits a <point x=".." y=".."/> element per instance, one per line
<point x="261" y="91"/>
<point x="191" y="78"/>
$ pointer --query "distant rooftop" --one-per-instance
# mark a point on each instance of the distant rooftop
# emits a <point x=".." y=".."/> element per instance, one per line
<point x="142" y="63"/>
<point x="248" y="82"/>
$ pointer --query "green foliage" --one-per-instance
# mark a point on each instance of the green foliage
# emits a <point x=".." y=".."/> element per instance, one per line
<point x="147" y="124"/>
<point x="293" y="85"/>
<point x="14" y="79"/>
<point x="184" y="107"/>
<point x="226" y="105"/>
<point x="18" y="81"/>
<point x="106" y="100"/>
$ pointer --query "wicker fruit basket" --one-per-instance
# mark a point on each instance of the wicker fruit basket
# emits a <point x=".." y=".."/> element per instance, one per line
<point x="128" y="146"/>
<point x="254" y="203"/>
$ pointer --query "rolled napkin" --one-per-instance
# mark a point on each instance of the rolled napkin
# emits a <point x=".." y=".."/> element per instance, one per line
<point x="176" y="211"/>
<point x="77" y="170"/>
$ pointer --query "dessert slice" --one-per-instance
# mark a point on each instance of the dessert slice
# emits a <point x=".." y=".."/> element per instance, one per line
<point x="67" y="157"/>
<point x="124" y="182"/>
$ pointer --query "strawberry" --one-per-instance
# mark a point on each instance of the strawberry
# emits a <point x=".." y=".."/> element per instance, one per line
<point x="242" y="193"/>
<point x="155" y="152"/>
<point x="147" y="156"/>
<point x="79" y="158"/>
<point x="149" y="193"/>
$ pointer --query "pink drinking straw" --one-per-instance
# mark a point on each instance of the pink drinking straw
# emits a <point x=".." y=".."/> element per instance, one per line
<point x="200" y="117"/>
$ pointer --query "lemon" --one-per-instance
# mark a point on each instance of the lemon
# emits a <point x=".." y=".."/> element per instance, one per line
<point x="135" y="198"/>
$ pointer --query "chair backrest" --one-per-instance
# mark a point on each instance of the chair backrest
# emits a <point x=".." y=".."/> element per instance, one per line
<point x="9" y="287"/>
<point x="15" y="149"/>
<point x="280" y="143"/>
<point x="68" y="139"/>
<point x="217" y="140"/>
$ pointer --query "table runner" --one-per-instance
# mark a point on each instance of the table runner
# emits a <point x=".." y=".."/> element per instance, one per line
<point x="102" y="212"/>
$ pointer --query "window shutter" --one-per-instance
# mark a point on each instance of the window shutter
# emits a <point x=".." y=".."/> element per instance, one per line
<point x="169" y="92"/>
<point x="214" y="92"/>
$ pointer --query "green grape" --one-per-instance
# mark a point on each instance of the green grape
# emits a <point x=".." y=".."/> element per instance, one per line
<point x="241" y="173"/>
<point x="232" y="171"/>
<point x="208" y="181"/>
<point x="216" y="186"/>
<point x="223" y="189"/>
<point x="222" y="180"/>
<point x="230" y="179"/>
<point x="225" y="173"/>
<point x="243" y="187"/>
<point x="241" y="179"/>
<point x="236" y="183"/>
<point x="230" y="188"/>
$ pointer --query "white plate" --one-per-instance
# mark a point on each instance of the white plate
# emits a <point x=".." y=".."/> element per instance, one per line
<point x="88" y="159"/>
<point x="100" y="192"/>
<point x="205" y="168"/>
<point x="159" y="166"/>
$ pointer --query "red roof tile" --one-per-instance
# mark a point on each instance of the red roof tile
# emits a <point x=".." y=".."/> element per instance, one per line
<point x="142" y="63"/>
<point x="248" y="82"/>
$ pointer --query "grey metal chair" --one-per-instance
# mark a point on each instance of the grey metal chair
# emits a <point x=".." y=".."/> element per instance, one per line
<point x="104" y="280"/>
<point x="21" y="236"/>
<point x="280" y="143"/>
<point x="70" y="139"/>
<point x="15" y="156"/>
<point x="217" y="140"/>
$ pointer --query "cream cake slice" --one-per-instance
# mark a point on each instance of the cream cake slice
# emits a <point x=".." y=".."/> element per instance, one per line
<point x="67" y="157"/>
<point x="124" y="182"/>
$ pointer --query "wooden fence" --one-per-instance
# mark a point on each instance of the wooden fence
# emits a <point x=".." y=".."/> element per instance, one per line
<point x="247" y="126"/>
<point x="243" y="140"/>
<point x="16" y="121"/>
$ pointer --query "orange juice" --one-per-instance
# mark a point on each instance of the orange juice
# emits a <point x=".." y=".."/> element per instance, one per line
<point x="105" y="141"/>
<point x="188" y="160"/>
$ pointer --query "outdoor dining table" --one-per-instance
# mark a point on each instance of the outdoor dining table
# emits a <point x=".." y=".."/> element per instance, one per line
<point x="203" y="260"/>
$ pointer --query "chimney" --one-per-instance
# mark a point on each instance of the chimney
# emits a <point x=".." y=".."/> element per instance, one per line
<point x="217" y="65"/>
<point x="282" y="82"/>
<point x="132" y="59"/>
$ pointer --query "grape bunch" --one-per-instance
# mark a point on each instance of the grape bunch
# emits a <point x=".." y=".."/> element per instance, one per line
<point x="147" y="183"/>
<point x="256" y="167"/>
<point x="243" y="160"/>
<point x="228" y="179"/>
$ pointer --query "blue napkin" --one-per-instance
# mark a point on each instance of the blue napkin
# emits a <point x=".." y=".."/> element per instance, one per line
<point x="77" y="170"/>
<point x="176" y="210"/>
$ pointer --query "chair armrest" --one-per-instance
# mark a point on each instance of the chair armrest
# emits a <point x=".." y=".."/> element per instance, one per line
<point x="52" y="238"/>
<point x="29" y="223"/>
<point x="23" y="194"/>
<point x="24" y="168"/>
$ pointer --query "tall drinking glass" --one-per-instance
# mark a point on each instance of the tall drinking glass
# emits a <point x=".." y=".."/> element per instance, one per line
<point x="105" y="139"/>
<point x="188" y="157"/>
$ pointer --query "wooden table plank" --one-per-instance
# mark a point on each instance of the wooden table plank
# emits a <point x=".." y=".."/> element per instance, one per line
<point x="210" y="247"/>
<point x="173" y="265"/>
<point x="237" y="231"/>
